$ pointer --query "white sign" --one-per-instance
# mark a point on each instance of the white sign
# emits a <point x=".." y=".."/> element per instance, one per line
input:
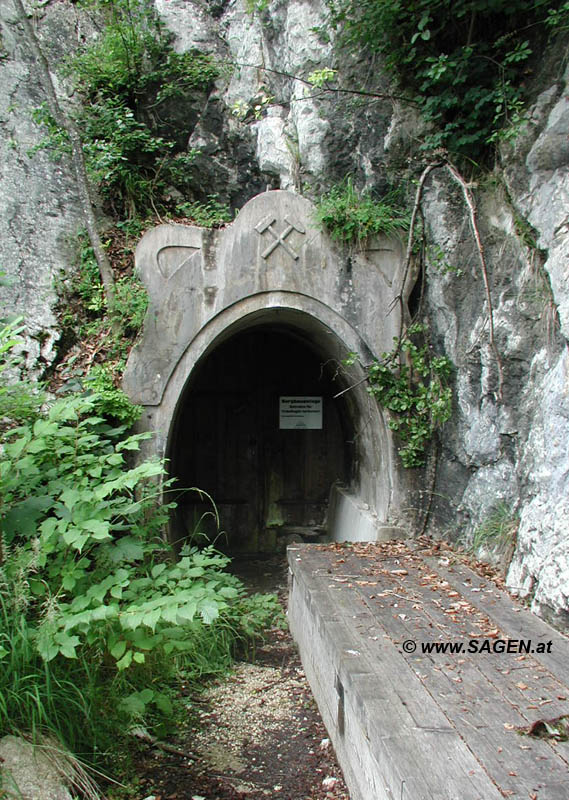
<point x="300" y="412"/>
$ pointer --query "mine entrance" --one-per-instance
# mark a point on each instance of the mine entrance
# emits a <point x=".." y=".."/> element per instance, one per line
<point x="259" y="430"/>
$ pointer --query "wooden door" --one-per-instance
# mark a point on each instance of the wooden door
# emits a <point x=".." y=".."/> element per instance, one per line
<point x="265" y="481"/>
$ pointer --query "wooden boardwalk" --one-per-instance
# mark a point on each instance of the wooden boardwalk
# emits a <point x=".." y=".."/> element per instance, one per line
<point x="414" y="725"/>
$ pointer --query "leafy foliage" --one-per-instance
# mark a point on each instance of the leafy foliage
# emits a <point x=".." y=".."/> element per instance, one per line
<point x="352" y="218"/>
<point x="131" y="83"/>
<point x="462" y="61"/>
<point x="89" y="594"/>
<point x="84" y="307"/>
<point x="414" y="390"/>
<point x="211" y="214"/>
<point x="19" y="401"/>
<point x="108" y="400"/>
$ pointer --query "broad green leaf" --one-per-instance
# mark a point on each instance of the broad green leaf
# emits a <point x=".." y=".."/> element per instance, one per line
<point x="185" y="612"/>
<point x="119" y="649"/>
<point x="157" y="570"/>
<point x="37" y="587"/>
<point x="67" y="644"/>
<point x="70" y="497"/>
<point x="163" y="702"/>
<point x="22" y="518"/>
<point x="151" y="618"/>
<point x="43" y="427"/>
<point x="142" y="641"/>
<point x="134" y="704"/>
<point x="99" y="528"/>
<point x="69" y="582"/>
<point x="125" y="661"/>
<point x="38" y="445"/>
<point x="209" y="610"/>
<point x="74" y="538"/>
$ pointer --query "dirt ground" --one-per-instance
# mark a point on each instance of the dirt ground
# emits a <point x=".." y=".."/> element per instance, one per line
<point x="257" y="734"/>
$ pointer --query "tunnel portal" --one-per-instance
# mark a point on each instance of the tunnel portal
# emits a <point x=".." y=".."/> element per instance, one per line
<point x="268" y="462"/>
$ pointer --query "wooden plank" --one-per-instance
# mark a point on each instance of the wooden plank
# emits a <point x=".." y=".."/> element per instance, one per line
<point x="515" y="620"/>
<point x="384" y="692"/>
<point x="478" y="707"/>
<point x="470" y="704"/>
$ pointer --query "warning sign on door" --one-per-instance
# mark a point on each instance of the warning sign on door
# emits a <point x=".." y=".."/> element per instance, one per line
<point x="300" y="412"/>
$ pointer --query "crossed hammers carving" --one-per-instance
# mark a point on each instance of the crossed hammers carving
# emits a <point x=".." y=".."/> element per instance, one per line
<point x="266" y="224"/>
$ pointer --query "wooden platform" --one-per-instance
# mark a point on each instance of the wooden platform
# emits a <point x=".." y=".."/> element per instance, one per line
<point x="428" y="726"/>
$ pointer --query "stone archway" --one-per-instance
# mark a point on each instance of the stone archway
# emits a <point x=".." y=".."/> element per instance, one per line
<point x="272" y="274"/>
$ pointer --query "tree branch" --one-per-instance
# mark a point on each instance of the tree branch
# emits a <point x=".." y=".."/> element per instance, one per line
<point x="469" y="200"/>
<point x="333" y="89"/>
<point x="407" y="265"/>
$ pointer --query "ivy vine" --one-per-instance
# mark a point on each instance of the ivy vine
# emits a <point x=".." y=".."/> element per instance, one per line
<point x="411" y="384"/>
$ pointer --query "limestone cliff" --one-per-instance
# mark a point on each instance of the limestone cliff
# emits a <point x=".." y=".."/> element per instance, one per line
<point x="262" y="126"/>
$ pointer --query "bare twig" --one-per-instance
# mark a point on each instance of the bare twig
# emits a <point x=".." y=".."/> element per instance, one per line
<point x="349" y="388"/>
<point x="328" y="88"/>
<point x="147" y="738"/>
<point x="469" y="200"/>
<point x="407" y="265"/>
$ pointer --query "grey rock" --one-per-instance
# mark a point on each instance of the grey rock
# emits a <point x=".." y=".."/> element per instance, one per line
<point x="31" y="772"/>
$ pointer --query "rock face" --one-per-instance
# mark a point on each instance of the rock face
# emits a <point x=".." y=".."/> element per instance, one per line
<point x="38" y="202"/>
<point x="265" y="126"/>
<point x="28" y="773"/>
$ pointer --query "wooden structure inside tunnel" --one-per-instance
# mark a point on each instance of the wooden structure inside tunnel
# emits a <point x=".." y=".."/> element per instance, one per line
<point x="268" y="482"/>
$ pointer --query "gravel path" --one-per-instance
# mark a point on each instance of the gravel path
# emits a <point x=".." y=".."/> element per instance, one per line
<point x="258" y="733"/>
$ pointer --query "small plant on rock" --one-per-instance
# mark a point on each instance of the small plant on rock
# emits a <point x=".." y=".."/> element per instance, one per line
<point x="351" y="217"/>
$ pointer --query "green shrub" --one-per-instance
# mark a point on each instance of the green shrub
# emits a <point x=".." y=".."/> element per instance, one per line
<point x="131" y="83"/>
<point x="108" y="401"/>
<point x="85" y="290"/>
<point x="96" y="617"/>
<point x="352" y="218"/>
<point x="464" y="63"/>
<point x="19" y="400"/>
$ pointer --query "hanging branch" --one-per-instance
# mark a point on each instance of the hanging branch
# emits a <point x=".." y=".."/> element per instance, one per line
<point x="327" y="88"/>
<point x="407" y="265"/>
<point x="56" y="111"/>
<point x="469" y="200"/>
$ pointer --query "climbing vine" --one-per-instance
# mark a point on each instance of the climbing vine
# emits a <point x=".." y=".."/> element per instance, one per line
<point x="411" y="384"/>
